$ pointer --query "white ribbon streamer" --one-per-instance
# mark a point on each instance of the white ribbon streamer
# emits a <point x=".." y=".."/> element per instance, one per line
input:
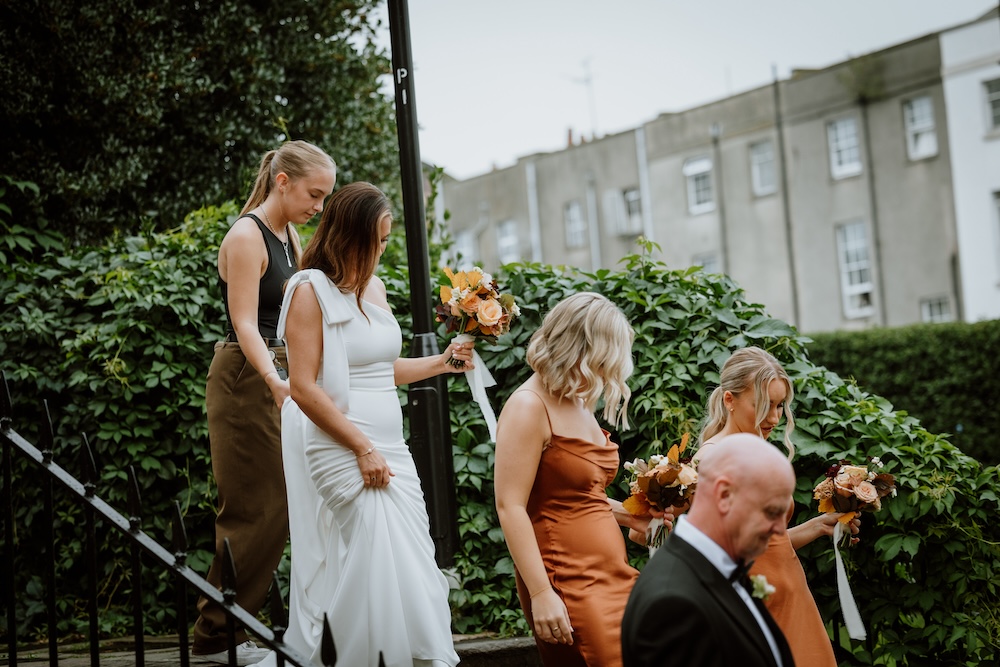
<point x="479" y="379"/>
<point x="655" y="525"/>
<point x="852" y="617"/>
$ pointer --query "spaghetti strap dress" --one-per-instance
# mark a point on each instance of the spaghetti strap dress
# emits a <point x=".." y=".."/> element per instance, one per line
<point x="792" y="604"/>
<point x="583" y="549"/>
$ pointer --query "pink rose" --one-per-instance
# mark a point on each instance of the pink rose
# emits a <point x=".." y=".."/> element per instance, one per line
<point x="849" y="477"/>
<point x="490" y="312"/>
<point x="866" y="492"/>
<point x="687" y="476"/>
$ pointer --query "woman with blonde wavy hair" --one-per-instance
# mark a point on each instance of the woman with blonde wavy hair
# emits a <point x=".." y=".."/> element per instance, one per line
<point x="753" y="395"/>
<point x="553" y="463"/>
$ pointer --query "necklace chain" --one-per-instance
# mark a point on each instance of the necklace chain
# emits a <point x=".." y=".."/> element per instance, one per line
<point x="284" y="244"/>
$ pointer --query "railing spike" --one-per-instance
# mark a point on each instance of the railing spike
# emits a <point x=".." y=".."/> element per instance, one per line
<point x="134" y="501"/>
<point x="279" y="617"/>
<point x="381" y="660"/>
<point x="228" y="572"/>
<point x="88" y="467"/>
<point x="328" y="650"/>
<point x="6" y="406"/>
<point x="48" y="434"/>
<point x="179" y="536"/>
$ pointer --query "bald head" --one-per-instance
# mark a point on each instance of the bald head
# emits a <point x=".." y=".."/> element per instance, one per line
<point x="745" y="488"/>
<point x="743" y="455"/>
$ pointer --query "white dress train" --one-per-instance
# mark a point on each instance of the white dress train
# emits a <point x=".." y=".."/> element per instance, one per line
<point x="362" y="556"/>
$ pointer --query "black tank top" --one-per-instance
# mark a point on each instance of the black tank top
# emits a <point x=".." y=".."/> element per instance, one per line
<point x="272" y="283"/>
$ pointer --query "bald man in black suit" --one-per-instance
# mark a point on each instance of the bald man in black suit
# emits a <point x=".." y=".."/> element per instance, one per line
<point x="690" y="605"/>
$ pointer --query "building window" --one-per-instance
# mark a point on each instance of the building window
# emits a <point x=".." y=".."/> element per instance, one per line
<point x="921" y="139"/>
<point x="464" y="251"/>
<point x="698" y="172"/>
<point x="993" y="103"/>
<point x="996" y="219"/>
<point x="855" y="269"/>
<point x="845" y="152"/>
<point x="632" y="222"/>
<point x="508" y="247"/>
<point x="575" y="225"/>
<point x="623" y="211"/>
<point x="937" y="309"/>
<point x="762" y="168"/>
<point x="709" y="262"/>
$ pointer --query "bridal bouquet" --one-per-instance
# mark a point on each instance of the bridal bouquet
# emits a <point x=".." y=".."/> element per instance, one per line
<point x="852" y="488"/>
<point x="661" y="483"/>
<point x="472" y="305"/>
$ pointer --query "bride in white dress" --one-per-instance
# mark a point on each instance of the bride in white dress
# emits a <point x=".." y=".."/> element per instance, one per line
<point x="361" y="548"/>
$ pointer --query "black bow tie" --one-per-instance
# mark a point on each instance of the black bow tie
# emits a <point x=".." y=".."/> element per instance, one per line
<point x="741" y="575"/>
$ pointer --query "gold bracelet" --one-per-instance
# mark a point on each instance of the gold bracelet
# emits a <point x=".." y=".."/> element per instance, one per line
<point x="532" y="597"/>
<point x="370" y="450"/>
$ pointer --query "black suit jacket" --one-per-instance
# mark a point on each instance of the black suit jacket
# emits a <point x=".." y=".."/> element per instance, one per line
<point x="683" y="612"/>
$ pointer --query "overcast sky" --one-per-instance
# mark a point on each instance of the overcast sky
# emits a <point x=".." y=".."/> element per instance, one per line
<point x="499" y="79"/>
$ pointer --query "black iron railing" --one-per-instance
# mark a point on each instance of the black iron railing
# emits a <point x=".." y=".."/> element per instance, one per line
<point x="163" y="561"/>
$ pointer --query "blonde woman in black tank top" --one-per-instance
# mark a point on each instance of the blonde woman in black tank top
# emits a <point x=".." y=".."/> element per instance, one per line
<point x="247" y="383"/>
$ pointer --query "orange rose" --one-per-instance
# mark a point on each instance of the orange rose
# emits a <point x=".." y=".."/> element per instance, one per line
<point x="471" y="303"/>
<point x="490" y="312"/>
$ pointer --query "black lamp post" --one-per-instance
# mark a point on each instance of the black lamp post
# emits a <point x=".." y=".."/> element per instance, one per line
<point x="430" y="433"/>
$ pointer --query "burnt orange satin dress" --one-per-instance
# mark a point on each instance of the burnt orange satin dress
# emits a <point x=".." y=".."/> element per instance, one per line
<point x="583" y="549"/>
<point x="792" y="604"/>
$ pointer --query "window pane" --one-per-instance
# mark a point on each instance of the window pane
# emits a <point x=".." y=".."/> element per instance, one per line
<point x="855" y="269"/>
<point x="508" y="247"/>
<point x="575" y="225"/>
<point x="762" y="168"/>
<point x="921" y="139"/>
<point x="845" y="155"/>
<point x="993" y="100"/>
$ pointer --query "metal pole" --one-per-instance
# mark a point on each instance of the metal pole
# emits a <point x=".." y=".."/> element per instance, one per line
<point x="430" y="437"/>
<point x="786" y="208"/>
<point x="715" y="130"/>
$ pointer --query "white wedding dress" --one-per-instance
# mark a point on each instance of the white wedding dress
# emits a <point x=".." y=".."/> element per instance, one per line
<point x="361" y="556"/>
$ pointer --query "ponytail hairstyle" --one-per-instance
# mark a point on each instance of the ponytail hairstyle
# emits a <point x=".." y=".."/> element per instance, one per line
<point x="298" y="159"/>
<point x="749" y="369"/>
<point x="346" y="245"/>
<point x="583" y="350"/>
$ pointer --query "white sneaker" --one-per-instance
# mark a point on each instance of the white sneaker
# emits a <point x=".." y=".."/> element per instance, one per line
<point x="247" y="653"/>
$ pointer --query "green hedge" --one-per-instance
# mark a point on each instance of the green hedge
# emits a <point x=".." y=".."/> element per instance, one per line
<point x="119" y="340"/>
<point x="942" y="374"/>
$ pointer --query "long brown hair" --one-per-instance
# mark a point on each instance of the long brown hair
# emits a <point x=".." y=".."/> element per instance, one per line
<point x="346" y="244"/>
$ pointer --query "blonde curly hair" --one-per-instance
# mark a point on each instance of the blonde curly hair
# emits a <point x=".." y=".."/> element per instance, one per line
<point x="583" y="350"/>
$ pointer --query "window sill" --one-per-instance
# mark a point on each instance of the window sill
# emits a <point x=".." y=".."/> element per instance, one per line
<point x="844" y="175"/>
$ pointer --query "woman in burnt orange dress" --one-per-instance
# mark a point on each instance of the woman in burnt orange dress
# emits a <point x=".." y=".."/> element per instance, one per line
<point x="754" y="393"/>
<point x="553" y="462"/>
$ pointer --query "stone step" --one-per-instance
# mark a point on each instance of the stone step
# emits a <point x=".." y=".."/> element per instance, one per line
<point x="475" y="651"/>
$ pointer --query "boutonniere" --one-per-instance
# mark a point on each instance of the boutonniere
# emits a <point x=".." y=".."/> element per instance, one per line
<point x="761" y="589"/>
